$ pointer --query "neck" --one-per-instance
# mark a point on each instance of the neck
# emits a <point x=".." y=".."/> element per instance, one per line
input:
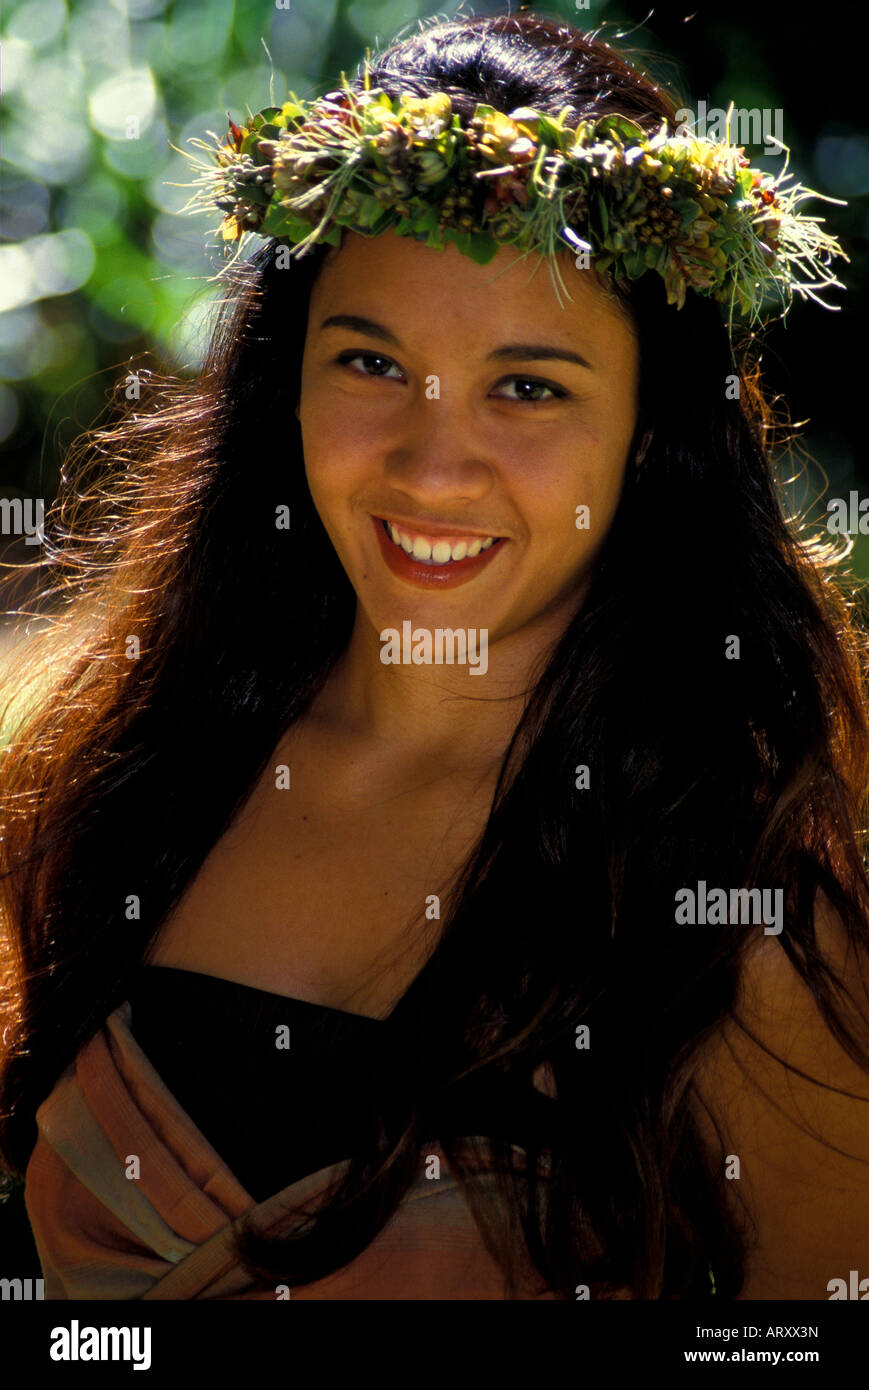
<point x="440" y="712"/>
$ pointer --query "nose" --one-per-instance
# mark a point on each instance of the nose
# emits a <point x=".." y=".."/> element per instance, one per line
<point x="441" y="456"/>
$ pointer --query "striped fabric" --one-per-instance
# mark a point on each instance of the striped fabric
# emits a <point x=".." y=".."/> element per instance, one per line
<point x="166" y="1233"/>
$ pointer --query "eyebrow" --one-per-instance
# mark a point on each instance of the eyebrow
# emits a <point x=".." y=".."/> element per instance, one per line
<point x="540" y="352"/>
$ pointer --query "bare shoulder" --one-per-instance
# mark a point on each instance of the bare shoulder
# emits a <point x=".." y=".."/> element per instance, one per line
<point x="801" y="1145"/>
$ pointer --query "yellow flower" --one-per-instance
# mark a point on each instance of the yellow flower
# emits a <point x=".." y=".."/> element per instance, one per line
<point x="439" y="105"/>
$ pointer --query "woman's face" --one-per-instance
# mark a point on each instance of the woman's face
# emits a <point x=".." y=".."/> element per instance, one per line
<point x="462" y="411"/>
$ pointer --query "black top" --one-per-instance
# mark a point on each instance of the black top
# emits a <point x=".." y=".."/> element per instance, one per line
<point x="276" y="1114"/>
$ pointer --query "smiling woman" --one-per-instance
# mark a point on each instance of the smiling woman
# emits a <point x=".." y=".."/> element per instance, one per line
<point x="436" y="446"/>
<point x="372" y="976"/>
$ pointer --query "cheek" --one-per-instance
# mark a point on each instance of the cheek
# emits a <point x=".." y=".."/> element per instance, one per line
<point x="334" y="454"/>
<point x="587" y="470"/>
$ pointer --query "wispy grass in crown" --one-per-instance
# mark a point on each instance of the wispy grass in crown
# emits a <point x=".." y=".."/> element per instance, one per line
<point x="689" y="208"/>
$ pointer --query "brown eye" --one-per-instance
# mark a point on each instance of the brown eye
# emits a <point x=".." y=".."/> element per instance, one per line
<point x="555" y="392"/>
<point x="345" y="358"/>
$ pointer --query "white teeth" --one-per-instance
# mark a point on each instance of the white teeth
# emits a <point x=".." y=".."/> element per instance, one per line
<point x="441" y="553"/>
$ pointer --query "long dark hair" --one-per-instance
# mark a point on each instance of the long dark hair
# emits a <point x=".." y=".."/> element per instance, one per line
<point x="120" y="774"/>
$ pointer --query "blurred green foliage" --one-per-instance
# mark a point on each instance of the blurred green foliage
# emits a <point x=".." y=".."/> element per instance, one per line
<point x="96" y="265"/>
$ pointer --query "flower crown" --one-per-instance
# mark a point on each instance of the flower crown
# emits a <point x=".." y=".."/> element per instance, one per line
<point x="685" y="206"/>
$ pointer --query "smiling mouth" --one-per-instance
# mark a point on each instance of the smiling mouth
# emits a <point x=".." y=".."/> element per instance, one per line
<point x="437" y="552"/>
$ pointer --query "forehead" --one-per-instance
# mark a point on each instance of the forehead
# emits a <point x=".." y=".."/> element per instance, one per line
<point x="454" y="297"/>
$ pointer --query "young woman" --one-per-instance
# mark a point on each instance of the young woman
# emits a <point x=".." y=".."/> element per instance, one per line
<point x="338" y="970"/>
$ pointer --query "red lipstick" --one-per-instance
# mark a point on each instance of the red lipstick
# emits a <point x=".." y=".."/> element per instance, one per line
<point x="426" y="576"/>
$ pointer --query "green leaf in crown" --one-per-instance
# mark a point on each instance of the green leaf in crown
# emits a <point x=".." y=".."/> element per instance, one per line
<point x="684" y="207"/>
